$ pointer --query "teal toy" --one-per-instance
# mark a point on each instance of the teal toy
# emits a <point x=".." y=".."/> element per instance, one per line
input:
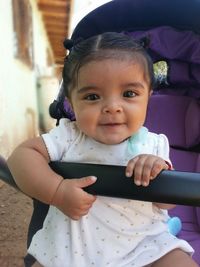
<point x="174" y="225"/>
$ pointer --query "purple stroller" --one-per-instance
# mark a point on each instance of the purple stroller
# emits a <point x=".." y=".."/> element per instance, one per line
<point x="172" y="29"/>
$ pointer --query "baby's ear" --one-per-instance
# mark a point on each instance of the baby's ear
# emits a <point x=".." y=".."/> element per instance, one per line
<point x="150" y="92"/>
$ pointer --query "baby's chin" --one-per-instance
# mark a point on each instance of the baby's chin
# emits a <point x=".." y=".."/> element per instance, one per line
<point x="110" y="141"/>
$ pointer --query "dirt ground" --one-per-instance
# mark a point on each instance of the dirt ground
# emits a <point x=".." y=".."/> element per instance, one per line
<point x="15" y="214"/>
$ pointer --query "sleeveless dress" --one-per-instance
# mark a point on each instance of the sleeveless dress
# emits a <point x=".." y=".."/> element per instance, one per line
<point x="115" y="232"/>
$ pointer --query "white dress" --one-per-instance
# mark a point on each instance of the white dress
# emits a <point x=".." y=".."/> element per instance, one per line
<point x="116" y="232"/>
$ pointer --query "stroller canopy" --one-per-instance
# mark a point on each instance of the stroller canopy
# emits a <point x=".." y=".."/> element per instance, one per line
<point x="173" y="29"/>
<point x="134" y="15"/>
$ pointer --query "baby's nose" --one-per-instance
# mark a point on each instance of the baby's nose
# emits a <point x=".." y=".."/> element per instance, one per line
<point x="112" y="107"/>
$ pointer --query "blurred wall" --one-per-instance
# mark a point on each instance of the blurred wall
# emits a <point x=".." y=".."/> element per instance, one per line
<point x="18" y="82"/>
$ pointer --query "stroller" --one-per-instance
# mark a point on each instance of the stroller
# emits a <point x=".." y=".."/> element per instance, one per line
<point x="172" y="29"/>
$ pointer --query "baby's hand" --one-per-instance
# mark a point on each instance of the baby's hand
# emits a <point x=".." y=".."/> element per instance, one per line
<point x="144" y="168"/>
<point x="71" y="199"/>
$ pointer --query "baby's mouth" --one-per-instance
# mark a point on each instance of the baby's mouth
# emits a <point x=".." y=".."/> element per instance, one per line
<point x="112" y="124"/>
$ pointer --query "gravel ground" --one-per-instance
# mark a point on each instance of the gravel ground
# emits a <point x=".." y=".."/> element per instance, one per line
<point x="15" y="214"/>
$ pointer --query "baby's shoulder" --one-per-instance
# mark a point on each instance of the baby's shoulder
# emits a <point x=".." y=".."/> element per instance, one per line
<point x="158" y="141"/>
<point x="157" y="137"/>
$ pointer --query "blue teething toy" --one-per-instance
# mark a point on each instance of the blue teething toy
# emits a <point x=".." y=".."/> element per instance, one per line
<point x="174" y="225"/>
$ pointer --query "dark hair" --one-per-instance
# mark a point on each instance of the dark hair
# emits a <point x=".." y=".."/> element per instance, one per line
<point x="104" y="46"/>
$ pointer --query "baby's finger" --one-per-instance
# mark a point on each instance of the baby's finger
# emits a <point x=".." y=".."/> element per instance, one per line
<point x="89" y="199"/>
<point x="77" y="213"/>
<point x="138" y="170"/>
<point x="147" y="172"/>
<point x="152" y="167"/>
<point x="130" y="166"/>
<point x="157" y="167"/>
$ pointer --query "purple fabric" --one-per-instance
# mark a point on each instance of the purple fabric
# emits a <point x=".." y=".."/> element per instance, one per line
<point x="167" y="42"/>
<point x="167" y="112"/>
<point x="198" y="215"/>
<point x="192" y="92"/>
<point x="183" y="74"/>
<point x="185" y="160"/>
<point x="188" y="216"/>
<point x="190" y="226"/>
<point x="181" y="49"/>
<point x="193" y="237"/>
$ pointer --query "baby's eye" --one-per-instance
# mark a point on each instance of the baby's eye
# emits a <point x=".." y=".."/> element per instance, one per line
<point x="129" y="94"/>
<point x="91" y="97"/>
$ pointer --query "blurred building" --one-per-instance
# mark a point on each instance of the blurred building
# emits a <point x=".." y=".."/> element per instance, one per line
<point x="32" y="32"/>
<point x="32" y="54"/>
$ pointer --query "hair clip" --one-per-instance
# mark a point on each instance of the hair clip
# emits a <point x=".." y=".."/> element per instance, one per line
<point x="68" y="43"/>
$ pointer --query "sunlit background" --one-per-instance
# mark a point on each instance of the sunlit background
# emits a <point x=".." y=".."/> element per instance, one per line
<point x="32" y="32"/>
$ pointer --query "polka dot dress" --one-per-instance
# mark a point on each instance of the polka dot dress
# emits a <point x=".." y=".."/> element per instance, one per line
<point x="116" y="232"/>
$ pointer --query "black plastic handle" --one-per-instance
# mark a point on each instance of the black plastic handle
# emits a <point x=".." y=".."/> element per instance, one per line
<point x="169" y="187"/>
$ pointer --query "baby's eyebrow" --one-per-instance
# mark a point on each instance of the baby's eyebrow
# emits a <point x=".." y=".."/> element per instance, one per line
<point x="134" y="84"/>
<point x="85" y="89"/>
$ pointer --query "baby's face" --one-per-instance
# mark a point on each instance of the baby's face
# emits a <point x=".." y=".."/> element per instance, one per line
<point x="110" y="99"/>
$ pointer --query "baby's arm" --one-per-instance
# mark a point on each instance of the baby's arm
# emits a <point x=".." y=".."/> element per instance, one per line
<point x="164" y="206"/>
<point x="29" y="167"/>
<point x="144" y="168"/>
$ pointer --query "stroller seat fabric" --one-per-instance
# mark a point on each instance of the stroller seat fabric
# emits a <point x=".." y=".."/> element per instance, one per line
<point x="179" y="118"/>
